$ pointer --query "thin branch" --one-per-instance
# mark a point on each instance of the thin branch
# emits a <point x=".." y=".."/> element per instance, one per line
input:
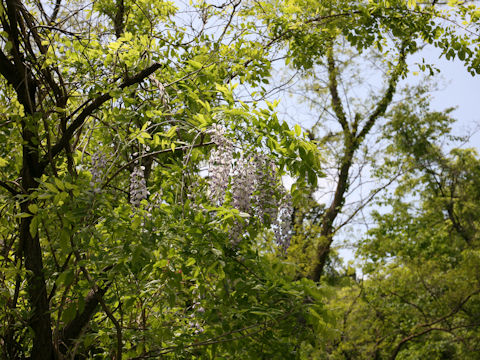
<point x="53" y="17"/>
<point x="9" y="188"/>
<point x="366" y="202"/>
<point x="429" y="324"/>
<point x="151" y="154"/>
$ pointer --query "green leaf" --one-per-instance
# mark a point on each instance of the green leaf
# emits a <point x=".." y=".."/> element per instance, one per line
<point x="69" y="313"/>
<point x="65" y="278"/>
<point x="33" y="226"/>
<point x="195" y="64"/>
<point x="33" y="208"/>
<point x="51" y="187"/>
<point x="298" y="130"/>
<point x="171" y="132"/>
<point x="59" y="184"/>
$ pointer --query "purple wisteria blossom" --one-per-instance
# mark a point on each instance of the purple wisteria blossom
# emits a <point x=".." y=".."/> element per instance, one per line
<point x="99" y="163"/>
<point x="138" y="186"/>
<point x="255" y="186"/>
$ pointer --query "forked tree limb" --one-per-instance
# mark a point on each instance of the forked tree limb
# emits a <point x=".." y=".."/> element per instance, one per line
<point x="351" y="144"/>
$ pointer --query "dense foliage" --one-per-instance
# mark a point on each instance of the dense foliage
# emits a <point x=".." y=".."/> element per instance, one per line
<point x="142" y="209"/>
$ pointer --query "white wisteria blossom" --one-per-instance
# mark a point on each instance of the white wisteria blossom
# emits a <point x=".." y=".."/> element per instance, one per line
<point x="266" y="184"/>
<point x="165" y="99"/>
<point x="195" y="316"/>
<point x="243" y="184"/>
<point x="283" y="223"/>
<point x="220" y="164"/>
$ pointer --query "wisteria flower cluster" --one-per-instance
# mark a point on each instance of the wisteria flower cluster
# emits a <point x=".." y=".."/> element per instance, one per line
<point x="267" y="190"/>
<point x="243" y="186"/>
<point x="283" y="223"/>
<point x="244" y="175"/>
<point x="266" y="185"/>
<point x="220" y="164"/>
<point x="255" y="189"/>
<point x="99" y="163"/>
<point x="194" y="323"/>
<point x="197" y="310"/>
<point x="138" y="186"/>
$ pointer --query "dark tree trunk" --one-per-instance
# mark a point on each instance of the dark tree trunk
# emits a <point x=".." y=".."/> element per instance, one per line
<point x="40" y="320"/>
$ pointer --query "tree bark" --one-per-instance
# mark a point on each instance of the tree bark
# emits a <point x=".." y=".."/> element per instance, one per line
<point x="73" y="329"/>
<point x="327" y="228"/>
<point x="352" y="139"/>
<point x="18" y="73"/>
<point x="40" y="320"/>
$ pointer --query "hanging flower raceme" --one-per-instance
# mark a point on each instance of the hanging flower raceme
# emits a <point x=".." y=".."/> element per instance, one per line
<point x="198" y="309"/>
<point x="243" y="185"/>
<point x="138" y="186"/>
<point x="266" y="184"/>
<point x="244" y="177"/>
<point x="272" y="202"/>
<point x="220" y="164"/>
<point x="164" y="98"/>
<point x="283" y="223"/>
<point x="99" y="163"/>
<point x="256" y="189"/>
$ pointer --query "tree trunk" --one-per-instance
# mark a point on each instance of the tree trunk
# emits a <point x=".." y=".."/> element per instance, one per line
<point x="40" y="320"/>
<point x="327" y="228"/>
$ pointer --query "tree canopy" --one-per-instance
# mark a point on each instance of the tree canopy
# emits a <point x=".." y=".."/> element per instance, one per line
<point x="142" y="160"/>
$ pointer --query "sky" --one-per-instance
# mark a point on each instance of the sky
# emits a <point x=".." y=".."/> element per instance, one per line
<point x="456" y="88"/>
<point x="460" y="90"/>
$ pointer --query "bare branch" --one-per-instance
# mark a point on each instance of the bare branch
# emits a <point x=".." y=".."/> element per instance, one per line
<point x="428" y="325"/>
